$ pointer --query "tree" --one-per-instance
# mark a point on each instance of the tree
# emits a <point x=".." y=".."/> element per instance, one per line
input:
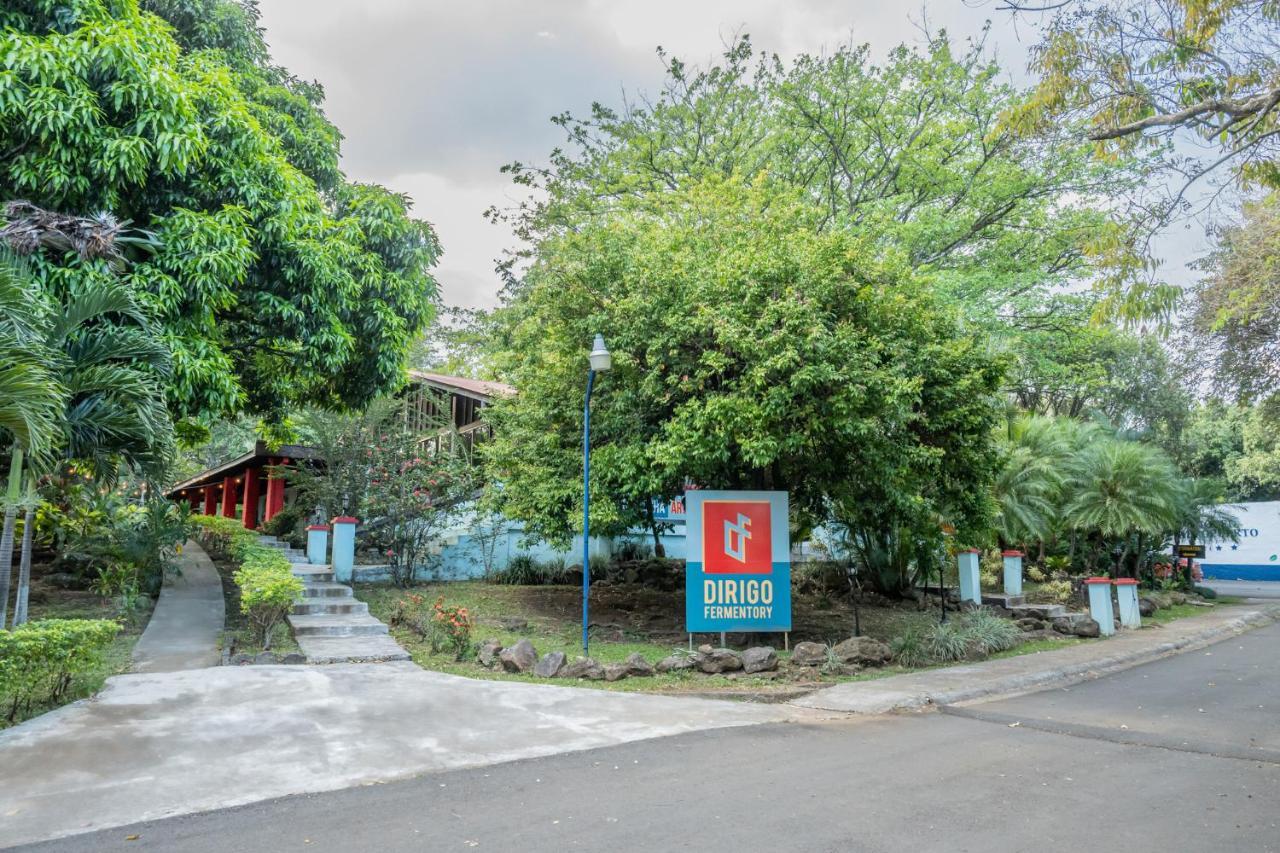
<point x="1141" y="73"/>
<point x="753" y="349"/>
<point x="274" y="280"/>
<point x="1028" y="487"/>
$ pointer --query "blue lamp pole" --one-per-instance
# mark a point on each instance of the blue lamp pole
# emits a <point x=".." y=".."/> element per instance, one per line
<point x="600" y="360"/>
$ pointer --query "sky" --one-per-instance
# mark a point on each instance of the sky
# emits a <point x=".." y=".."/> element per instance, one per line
<point x="434" y="97"/>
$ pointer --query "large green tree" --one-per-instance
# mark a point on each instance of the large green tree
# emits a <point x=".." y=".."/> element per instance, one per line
<point x="274" y="280"/>
<point x="753" y="349"/>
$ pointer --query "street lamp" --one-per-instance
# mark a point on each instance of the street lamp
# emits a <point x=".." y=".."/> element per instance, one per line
<point x="601" y="360"/>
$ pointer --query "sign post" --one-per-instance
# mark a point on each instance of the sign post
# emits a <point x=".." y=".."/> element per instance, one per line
<point x="738" y="563"/>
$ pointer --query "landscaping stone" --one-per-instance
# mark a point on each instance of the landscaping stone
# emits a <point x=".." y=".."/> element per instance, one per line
<point x="265" y="658"/>
<point x="1147" y="606"/>
<point x="706" y="649"/>
<point x="1077" y="624"/>
<point x="863" y="650"/>
<point x="488" y="654"/>
<point x="809" y="654"/>
<point x="615" y="672"/>
<point x="637" y="665"/>
<point x="519" y="658"/>
<point x="759" y="659"/>
<point x="240" y="659"/>
<point x="583" y="668"/>
<point x="1029" y="624"/>
<point x="294" y="658"/>
<point x="677" y="663"/>
<point x="720" y="660"/>
<point x="549" y="665"/>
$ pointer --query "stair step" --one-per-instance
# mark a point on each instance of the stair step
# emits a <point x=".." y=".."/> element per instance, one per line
<point x="351" y="649"/>
<point x="322" y="589"/>
<point x="336" y="625"/>
<point x="330" y="604"/>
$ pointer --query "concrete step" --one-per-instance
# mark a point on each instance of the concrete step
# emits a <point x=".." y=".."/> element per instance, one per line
<point x="351" y="649"/>
<point x="336" y="625"/>
<point x="313" y="574"/>
<point x="318" y="589"/>
<point x="1006" y="601"/>
<point x="330" y="604"/>
<point x="1043" y="611"/>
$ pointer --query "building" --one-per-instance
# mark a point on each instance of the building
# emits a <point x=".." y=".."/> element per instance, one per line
<point x="1255" y="555"/>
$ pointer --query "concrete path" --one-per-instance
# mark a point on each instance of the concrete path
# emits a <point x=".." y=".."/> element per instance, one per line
<point x="152" y="745"/>
<point x="184" y="628"/>
<point x="1246" y="589"/>
<point x="919" y="783"/>
<point x="1036" y="671"/>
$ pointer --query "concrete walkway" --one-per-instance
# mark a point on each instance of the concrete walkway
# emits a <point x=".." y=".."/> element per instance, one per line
<point x="1008" y="676"/>
<point x="184" y="628"/>
<point x="152" y="745"/>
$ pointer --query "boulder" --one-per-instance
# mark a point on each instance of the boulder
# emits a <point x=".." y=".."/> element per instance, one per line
<point x="521" y="657"/>
<point x="583" y="668"/>
<point x="1077" y="624"/>
<point x="294" y="658"/>
<point x="678" y="663"/>
<point x="720" y="660"/>
<point x="240" y="659"/>
<point x="637" y="666"/>
<point x="549" y="665"/>
<point x="265" y="658"/>
<point x="809" y="654"/>
<point x="488" y="654"/>
<point x="1029" y="624"/>
<point x="863" y="650"/>
<point x="1177" y="597"/>
<point x="759" y="659"/>
<point x="615" y="672"/>
<point x="706" y="649"/>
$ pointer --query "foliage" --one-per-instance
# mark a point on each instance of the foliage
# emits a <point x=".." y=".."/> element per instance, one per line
<point x="987" y="633"/>
<point x="273" y="280"/>
<point x="284" y="523"/>
<point x="751" y="350"/>
<point x="974" y="635"/>
<point x="909" y="649"/>
<point x="224" y="537"/>
<point x="39" y="660"/>
<point x="1053" y="592"/>
<point x="343" y="443"/>
<point x="946" y="642"/>
<point x="525" y="570"/>
<point x="454" y="622"/>
<point x="268" y="589"/>
<point x="30" y="396"/>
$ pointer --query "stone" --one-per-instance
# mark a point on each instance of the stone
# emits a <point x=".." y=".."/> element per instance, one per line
<point x="1077" y="624"/>
<point x="706" y="649"/>
<point x="1177" y="597"/>
<point x="615" y="672"/>
<point x="294" y="658"/>
<point x="240" y="659"/>
<point x="513" y="623"/>
<point x="1147" y="607"/>
<point x="759" y="659"/>
<point x="720" y="660"/>
<point x="519" y="658"/>
<point x="549" y="665"/>
<point x="265" y="658"/>
<point x="863" y="650"/>
<point x="583" y="668"/>
<point x="637" y="666"/>
<point x="488" y="654"/>
<point x="809" y="654"/>
<point x="678" y="663"/>
<point x="1029" y="624"/>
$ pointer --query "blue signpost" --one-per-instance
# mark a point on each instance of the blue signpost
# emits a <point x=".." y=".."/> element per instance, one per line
<point x="738" y="566"/>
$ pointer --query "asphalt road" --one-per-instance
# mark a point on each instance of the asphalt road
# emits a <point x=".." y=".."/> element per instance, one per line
<point x="1178" y="755"/>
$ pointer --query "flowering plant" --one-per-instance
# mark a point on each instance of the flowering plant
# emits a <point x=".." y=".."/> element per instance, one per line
<point x="454" y="625"/>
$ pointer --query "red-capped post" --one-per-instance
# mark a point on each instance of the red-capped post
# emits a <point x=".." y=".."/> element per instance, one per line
<point x="1100" y="604"/>
<point x="970" y="582"/>
<point x="1127" y="598"/>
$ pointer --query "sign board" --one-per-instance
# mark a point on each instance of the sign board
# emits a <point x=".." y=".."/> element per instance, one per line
<point x="1253" y="553"/>
<point x="1193" y="551"/>
<point x="738" y="561"/>
<point x="668" y="511"/>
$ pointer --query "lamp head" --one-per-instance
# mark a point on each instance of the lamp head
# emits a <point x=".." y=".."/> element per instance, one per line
<point x="601" y="359"/>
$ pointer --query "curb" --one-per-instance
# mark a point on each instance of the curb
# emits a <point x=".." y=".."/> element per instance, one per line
<point x="1071" y="673"/>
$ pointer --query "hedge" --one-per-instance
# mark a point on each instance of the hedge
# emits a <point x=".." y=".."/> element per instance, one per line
<point x="40" y="660"/>
<point x="267" y="584"/>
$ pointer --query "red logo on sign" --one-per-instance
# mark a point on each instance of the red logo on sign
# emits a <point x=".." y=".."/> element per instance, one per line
<point x="736" y="538"/>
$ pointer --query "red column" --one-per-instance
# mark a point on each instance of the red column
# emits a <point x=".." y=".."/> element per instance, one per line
<point x="193" y="498"/>
<point x="275" y="491"/>
<point x="229" y="497"/>
<point x="210" y="500"/>
<point x="250" y="512"/>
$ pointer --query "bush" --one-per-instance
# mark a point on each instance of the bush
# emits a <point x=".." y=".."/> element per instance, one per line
<point x="453" y="625"/>
<point x="1035" y="575"/>
<point x="284" y="524"/>
<point x="909" y="649"/>
<point x="524" y="570"/>
<point x="1052" y="592"/>
<point x="985" y="633"/>
<point x="1205" y="592"/>
<point x="633" y="549"/>
<point x="268" y="589"/>
<point x="224" y="537"/>
<point x="39" y="661"/>
<point x="946" y="642"/>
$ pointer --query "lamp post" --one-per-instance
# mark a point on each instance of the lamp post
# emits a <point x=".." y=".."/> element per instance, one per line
<point x="600" y="360"/>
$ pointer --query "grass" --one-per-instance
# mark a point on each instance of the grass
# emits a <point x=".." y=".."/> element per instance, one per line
<point x="116" y="659"/>
<point x="1178" y="611"/>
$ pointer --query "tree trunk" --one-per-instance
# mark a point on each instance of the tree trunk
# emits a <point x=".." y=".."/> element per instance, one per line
<point x="6" y="559"/>
<point x="658" y="550"/>
<point x="24" y="568"/>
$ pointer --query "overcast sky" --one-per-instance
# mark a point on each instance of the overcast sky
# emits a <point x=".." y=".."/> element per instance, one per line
<point x="434" y="97"/>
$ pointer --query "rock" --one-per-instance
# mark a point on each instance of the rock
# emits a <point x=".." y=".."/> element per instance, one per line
<point x="678" y="663"/>
<point x="513" y="623"/>
<point x="488" y="654"/>
<point x="519" y="658"/>
<point x="863" y="650"/>
<point x="615" y="672"/>
<point x="637" y="666"/>
<point x="720" y="660"/>
<point x="706" y="649"/>
<point x="1029" y="624"/>
<point x="66" y="580"/>
<point x="1074" y="623"/>
<point x="265" y="658"/>
<point x="809" y="654"/>
<point x="1178" y="597"/>
<point x="583" y="668"/>
<point x="549" y="665"/>
<point x="294" y="658"/>
<point x="759" y="659"/>
<point x="240" y="659"/>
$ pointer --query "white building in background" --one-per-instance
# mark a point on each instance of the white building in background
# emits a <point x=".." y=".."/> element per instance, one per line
<point x="1256" y="556"/>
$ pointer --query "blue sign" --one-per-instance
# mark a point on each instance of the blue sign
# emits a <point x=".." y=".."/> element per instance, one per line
<point x="738" y="561"/>
<point x="668" y="511"/>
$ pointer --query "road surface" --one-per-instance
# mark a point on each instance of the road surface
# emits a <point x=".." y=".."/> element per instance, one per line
<point x="1181" y="754"/>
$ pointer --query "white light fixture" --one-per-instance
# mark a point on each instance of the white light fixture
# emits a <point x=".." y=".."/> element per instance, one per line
<point x="601" y="358"/>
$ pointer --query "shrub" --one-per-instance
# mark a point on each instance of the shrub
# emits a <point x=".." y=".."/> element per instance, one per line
<point x="454" y="625"/>
<point x="39" y="661"/>
<point x="946" y="642"/>
<point x="986" y="633"/>
<point x="1205" y="592"/>
<point x="1035" y="575"/>
<point x="1059" y="566"/>
<point x="268" y="589"/>
<point x="224" y="537"/>
<point x="909" y="649"/>
<point x="284" y="523"/>
<point x="991" y="569"/>
<point x="521" y="570"/>
<point x="1053" y="592"/>
<point x="633" y="549"/>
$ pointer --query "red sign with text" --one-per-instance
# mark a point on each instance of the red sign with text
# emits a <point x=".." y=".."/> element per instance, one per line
<point x="737" y="538"/>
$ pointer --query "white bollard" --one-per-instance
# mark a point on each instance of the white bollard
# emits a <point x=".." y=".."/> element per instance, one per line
<point x="970" y="583"/>
<point x="317" y="544"/>
<point x="1127" y="597"/>
<point x="1012" y="572"/>
<point x="1100" y="604"/>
